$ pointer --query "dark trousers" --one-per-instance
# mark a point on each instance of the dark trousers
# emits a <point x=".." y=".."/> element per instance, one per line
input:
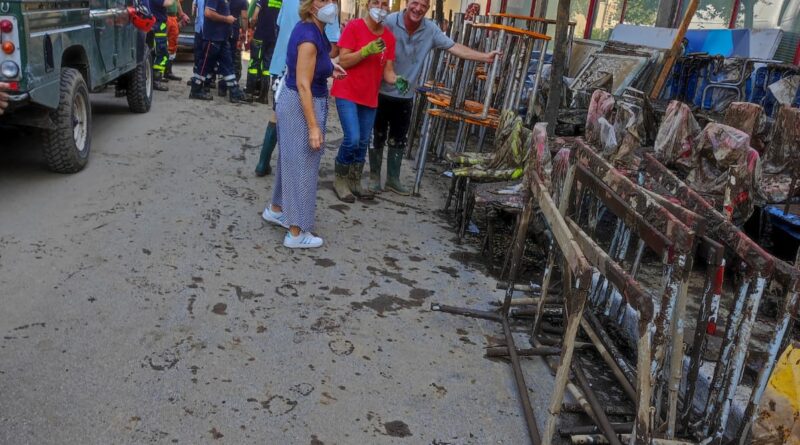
<point x="162" y="55"/>
<point x="236" y="53"/>
<point x="198" y="45"/>
<point x="260" y="59"/>
<point x="212" y="53"/>
<point x="392" y="121"/>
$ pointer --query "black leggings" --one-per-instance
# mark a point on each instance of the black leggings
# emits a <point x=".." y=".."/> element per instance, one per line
<point x="392" y="120"/>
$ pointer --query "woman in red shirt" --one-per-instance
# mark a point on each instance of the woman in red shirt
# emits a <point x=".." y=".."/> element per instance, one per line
<point x="366" y="51"/>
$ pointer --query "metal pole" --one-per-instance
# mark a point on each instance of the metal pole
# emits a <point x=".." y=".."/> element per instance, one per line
<point x="536" y="80"/>
<point x="590" y="16"/>
<point x="591" y="397"/>
<point x="734" y="14"/>
<point x="492" y="75"/>
<point x="423" y="151"/>
<point x="559" y="66"/>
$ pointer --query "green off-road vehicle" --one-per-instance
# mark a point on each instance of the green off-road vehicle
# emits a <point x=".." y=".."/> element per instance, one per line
<point x="54" y="53"/>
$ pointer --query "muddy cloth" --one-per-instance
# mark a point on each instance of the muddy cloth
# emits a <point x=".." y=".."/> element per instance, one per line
<point x="600" y="106"/>
<point x="561" y="164"/>
<point x="785" y="140"/>
<point x="677" y="133"/>
<point x="512" y="142"/>
<point x="785" y="90"/>
<point x="727" y="171"/>
<point x="541" y="160"/>
<point x="774" y="188"/>
<point x="749" y="118"/>
<point x="630" y="132"/>
<point x="782" y="156"/>
<point x="608" y="138"/>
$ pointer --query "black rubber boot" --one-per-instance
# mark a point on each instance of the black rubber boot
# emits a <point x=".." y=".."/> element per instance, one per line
<point x="222" y="88"/>
<point x="252" y="86"/>
<point x="199" y="92"/>
<point x="375" y="161"/>
<point x="237" y="96"/>
<point x="270" y="140"/>
<point x="393" y="161"/>
<point x="158" y="82"/>
<point x="169" y="75"/>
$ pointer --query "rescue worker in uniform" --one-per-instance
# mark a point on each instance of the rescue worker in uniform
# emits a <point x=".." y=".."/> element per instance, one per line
<point x="265" y="18"/>
<point x="216" y="31"/>
<point x="159" y="10"/>
<point x="237" y="7"/>
<point x="175" y="17"/>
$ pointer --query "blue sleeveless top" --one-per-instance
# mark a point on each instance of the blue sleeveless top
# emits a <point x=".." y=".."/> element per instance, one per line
<point x="308" y="32"/>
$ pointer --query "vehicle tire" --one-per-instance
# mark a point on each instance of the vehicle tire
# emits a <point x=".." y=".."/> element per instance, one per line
<point x="66" y="147"/>
<point x="140" y="86"/>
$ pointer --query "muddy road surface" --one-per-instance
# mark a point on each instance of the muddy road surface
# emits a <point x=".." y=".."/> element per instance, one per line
<point x="145" y="301"/>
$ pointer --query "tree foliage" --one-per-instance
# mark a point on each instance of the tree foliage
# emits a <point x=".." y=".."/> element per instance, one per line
<point x="641" y="12"/>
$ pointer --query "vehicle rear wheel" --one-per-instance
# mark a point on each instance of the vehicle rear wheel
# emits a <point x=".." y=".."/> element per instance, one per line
<point x="66" y="146"/>
<point x="140" y="86"/>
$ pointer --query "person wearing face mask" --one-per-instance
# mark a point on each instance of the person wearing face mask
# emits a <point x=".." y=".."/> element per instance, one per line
<point x="287" y="19"/>
<point x="366" y="51"/>
<point x="303" y="109"/>
<point x="416" y="36"/>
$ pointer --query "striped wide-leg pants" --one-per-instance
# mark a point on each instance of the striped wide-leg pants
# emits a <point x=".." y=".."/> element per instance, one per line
<point x="295" y="188"/>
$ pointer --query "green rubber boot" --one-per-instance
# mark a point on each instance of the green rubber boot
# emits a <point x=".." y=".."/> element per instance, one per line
<point x="393" y="161"/>
<point x="375" y="161"/>
<point x="270" y="140"/>
<point x="356" y="171"/>
<point x="341" y="183"/>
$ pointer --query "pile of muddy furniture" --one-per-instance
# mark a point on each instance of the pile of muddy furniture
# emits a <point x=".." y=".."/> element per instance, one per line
<point x="661" y="319"/>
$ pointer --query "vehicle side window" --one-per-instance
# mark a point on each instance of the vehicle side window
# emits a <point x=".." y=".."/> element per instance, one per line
<point x="97" y="4"/>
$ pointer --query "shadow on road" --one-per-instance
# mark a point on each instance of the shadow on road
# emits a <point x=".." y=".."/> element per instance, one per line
<point x="20" y="155"/>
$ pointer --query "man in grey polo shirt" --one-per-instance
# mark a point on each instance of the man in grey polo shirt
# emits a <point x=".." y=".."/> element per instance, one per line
<point x="416" y="36"/>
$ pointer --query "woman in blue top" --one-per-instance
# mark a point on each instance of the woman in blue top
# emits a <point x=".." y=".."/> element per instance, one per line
<point x="303" y="111"/>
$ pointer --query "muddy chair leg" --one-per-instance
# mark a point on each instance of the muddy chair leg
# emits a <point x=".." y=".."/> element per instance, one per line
<point x="465" y="201"/>
<point x="469" y="206"/>
<point x="486" y="245"/>
<point x="458" y="197"/>
<point x="450" y="193"/>
<point x="507" y="259"/>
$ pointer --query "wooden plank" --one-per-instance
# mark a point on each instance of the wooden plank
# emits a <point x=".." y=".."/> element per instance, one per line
<point x="672" y="55"/>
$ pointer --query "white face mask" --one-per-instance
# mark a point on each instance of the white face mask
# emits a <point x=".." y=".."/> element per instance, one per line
<point x="327" y="13"/>
<point x="378" y="14"/>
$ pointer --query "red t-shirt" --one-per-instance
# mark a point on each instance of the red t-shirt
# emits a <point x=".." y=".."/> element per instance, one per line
<point x="364" y="79"/>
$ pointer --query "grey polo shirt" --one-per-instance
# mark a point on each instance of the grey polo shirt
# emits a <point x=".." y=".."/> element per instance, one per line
<point x="411" y="50"/>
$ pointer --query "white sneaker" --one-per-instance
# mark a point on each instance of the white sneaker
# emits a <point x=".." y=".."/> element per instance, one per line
<point x="303" y="241"/>
<point x="277" y="218"/>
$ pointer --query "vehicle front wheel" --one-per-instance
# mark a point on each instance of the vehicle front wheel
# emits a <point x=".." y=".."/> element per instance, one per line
<point x="66" y="146"/>
<point x="140" y="86"/>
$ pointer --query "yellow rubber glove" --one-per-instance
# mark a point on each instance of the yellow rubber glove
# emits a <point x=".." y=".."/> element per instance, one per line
<point x="374" y="47"/>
